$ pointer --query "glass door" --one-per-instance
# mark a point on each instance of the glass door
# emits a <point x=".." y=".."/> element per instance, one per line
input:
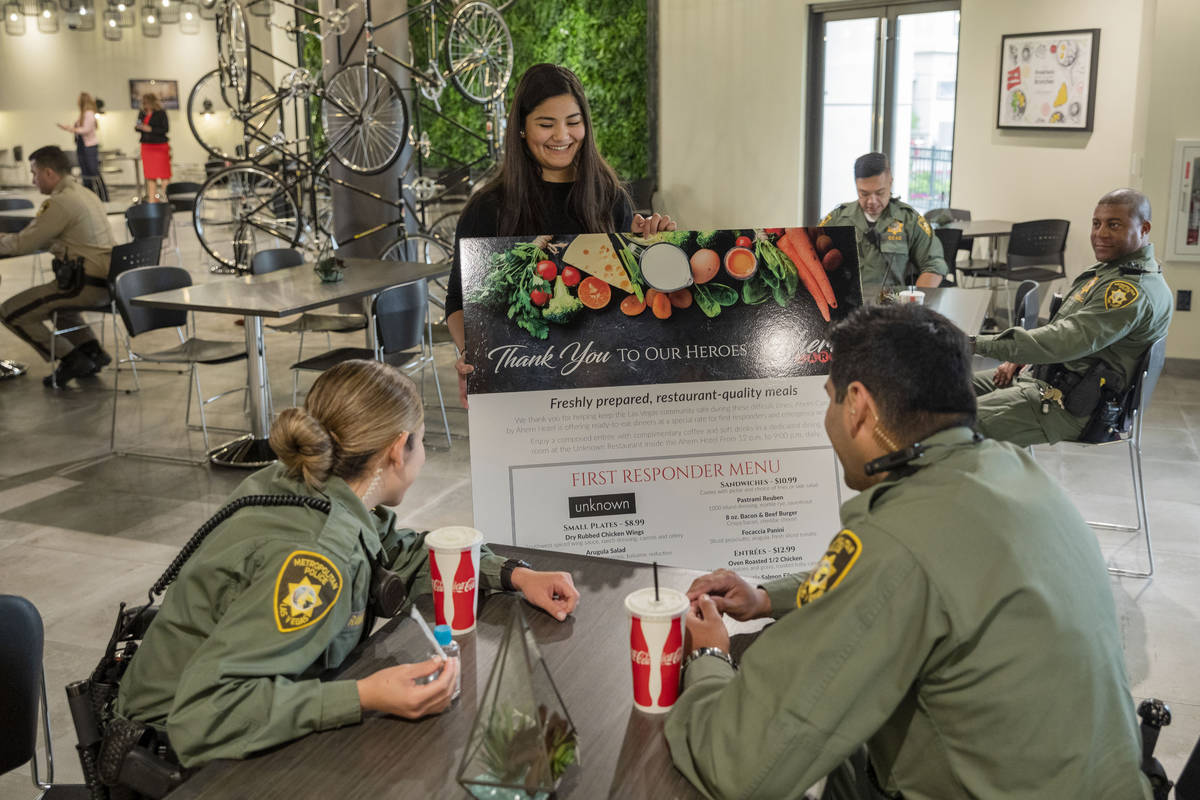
<point x="882" y="78"/>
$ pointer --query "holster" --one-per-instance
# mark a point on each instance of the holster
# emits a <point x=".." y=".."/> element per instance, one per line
<point x="69" y="274"/>
<point x="136" y="756"/>
<point x="1083" y="394"/>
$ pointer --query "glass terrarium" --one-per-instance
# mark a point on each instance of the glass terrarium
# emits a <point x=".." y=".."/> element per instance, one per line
<point x="329" y="267"/>
<point x="522" y="741"/>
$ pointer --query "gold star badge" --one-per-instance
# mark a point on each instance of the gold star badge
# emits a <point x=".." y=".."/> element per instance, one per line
<point x="303" y="597"/>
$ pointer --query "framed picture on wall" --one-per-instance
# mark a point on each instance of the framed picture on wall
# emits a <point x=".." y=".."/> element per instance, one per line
<point x="1048" y="80"/>
<point x="167" y="91"/>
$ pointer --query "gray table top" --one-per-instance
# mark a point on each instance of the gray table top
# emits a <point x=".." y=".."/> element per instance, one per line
<point x="292" y="291"/>
<point x="112" y="208"/>
<point x="966" y="308"/>
<point x="982" y="228"/>
<point x="622" y="751"/>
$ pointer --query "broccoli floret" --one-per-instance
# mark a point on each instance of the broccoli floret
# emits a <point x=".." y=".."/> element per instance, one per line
<point x="562" y="306"/>
<point x="706" y="238"/>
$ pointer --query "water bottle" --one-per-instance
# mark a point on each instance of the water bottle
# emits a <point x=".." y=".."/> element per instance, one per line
<point x="442" y="634"/>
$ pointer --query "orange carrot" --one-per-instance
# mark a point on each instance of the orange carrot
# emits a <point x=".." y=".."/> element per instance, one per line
<point x="808" y="255"/>
<point x="788" y="247"/>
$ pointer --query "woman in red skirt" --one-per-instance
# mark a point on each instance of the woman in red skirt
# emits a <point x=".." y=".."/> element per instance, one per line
<point x="156" y="152"/>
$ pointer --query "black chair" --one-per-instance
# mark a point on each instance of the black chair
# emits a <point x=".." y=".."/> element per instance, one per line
<point x="265" y="261"/>
<point x="181" y="195"/>
<point x="124" y="257"/>
<point x="950" y="239"/>
<point x="14" y="203"/>
<point x="1025" y="306"/>
<point x="1036" y="251"/>
<point x="190" y="350"/>
<point x="940" y="216"/>
<point x="1128" y="430"/>
<point x="403" y="338"/>
<point x="24" y="696"/>
<point x="144" y="220"/>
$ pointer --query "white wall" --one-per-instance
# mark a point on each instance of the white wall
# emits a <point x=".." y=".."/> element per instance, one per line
<point x="1022" y="175"/>
<point x="1174" y="113"/>
<point x="43" y="75"/>
<point x="731" y="111"/>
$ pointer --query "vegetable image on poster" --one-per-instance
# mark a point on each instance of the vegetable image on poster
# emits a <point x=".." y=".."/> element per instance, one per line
<point x="657" y="398"/>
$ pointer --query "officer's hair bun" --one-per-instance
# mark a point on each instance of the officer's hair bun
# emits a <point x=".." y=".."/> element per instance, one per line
<point x="353" y="412"/>
<point x="303" y="446"/>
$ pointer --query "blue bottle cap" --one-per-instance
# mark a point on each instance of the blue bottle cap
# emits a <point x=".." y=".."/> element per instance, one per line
<point x="442" y="634"/>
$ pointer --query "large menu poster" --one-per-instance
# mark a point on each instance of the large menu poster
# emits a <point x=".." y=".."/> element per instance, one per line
<point x="657" y="399"/>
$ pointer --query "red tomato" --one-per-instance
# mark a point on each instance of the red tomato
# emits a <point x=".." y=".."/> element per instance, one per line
<point x="539" y="297"/>
<point x="772" y="230"/>
<point x="547" y="270"/>
<point x="742" y="241"/>
<point x="570" y="276"/>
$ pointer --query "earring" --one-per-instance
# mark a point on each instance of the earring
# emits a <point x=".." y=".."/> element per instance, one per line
<point x="522" y="134"/>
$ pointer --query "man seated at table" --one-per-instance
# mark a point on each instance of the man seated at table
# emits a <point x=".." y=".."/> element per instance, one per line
<point x="70" y="224"/>
<point x="1114" y="311"/>
<point x="891" y="233"/>
<point x="959" y="637"/>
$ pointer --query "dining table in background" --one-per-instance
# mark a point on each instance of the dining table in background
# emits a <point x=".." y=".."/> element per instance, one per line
<point x="280" y="294"/>
<point x="966" y="308"/>
<point x="622" y="751"/>
<point x="990" y="229"/>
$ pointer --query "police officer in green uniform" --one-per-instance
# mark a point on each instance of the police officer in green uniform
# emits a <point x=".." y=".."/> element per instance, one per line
<point x="71" y="224"/>
<point x="1114" y="311"/>
<point x="958" y="638"/>
<point x="891" y="234"/>
<point x="276" y="595"/>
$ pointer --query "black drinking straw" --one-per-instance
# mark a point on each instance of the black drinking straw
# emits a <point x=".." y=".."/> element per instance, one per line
<point x="655" y="565"/>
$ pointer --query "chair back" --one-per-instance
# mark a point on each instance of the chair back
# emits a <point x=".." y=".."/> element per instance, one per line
<point x="138" y="253"/>
<point x="13" y="203"/>
<point x="181" y="195"/>
<point x="148" y="280"/>
<point x="1039" y="242"/>
<point x="1144" y="380"/>
<point x="1055" y="304"/>
<point x="14" y="224"/>
<point x="1025" y="307"/>
<point x="950" y="239"/>
<point x="265" y="261"/>
<point x="21" y="641"/>
<point x="400" y="316"/>
<point x="148" y="219"/>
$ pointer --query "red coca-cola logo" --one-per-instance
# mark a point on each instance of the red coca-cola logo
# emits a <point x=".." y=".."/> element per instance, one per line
<point x="640" y="657"/>
<point x="464" y="586"/>
<point x="670" y="658"/>
<point x="438" y="586"/>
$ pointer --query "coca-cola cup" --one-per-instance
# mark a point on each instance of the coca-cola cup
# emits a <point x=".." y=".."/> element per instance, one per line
<point x="656" y="646"/>
<point x="454" y="571"/>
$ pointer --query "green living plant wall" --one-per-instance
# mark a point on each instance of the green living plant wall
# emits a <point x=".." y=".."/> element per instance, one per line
<point x="602" y="41"/>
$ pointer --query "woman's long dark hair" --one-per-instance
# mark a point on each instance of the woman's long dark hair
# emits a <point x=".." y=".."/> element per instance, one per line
<point x="597" y="188"/>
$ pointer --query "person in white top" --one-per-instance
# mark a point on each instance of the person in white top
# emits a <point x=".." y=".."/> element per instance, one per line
<point x="87" y="145"/>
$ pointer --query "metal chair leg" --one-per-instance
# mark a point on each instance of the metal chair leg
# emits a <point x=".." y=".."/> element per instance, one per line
<point x="1134" y="442"/>
<point x="195" y="379"/>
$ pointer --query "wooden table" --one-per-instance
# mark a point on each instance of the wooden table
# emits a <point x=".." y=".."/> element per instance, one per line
<point x="623" y="753"/>
<point x="966" y="308"/>
<point x="280" y="294"/>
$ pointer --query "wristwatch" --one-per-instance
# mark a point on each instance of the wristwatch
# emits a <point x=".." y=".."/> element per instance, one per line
<point x="700" y="652"/>
<point x="506" y="572"/>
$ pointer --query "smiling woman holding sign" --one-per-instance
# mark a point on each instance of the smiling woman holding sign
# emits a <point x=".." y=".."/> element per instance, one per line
<point x="552" y="180"/>
<point x="282" y="590"/>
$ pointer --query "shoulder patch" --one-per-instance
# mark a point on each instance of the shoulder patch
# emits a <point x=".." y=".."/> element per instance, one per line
<point x="1119" y="294"/>
<point x="42" y="208"/>
<point x="838" y="559"/>
<point x="307" y="587"/>
<point x="923" y="224"/>
<point x="828" y="217"/>
<point x="1081" y="295"/>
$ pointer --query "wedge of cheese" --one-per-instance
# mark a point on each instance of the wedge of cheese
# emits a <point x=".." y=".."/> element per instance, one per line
<point x="1061" y="97"/>
<point x="593" y="253"/>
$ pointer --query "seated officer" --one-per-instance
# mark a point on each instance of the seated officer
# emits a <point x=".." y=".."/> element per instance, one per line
<point x="959" y="637"/>
<point x="891" y="234"/>
<point x="70" y="224"/>
<point x="1115" y="310"/>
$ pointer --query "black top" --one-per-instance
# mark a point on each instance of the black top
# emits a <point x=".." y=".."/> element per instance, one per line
<point x="158" y="127"/>
<point x="481" y="218"/>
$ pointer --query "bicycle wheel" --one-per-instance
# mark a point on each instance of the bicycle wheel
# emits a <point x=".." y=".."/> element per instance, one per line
<point x="244" y="209"/>
<point x="444" y="228"/>
<point x="233" y="53"/>
<point x="479" y="50"/>
<point x="366" y="119"/>
<point x="228" y="133"/>
<point x="423" y="249"/>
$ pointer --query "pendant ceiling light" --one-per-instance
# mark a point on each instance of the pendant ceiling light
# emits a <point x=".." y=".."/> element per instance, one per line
<point x="47" y="18"/>
<point x="112" y="25"/>
<point x="151" y="23"/>
<point x="189" y="18"/>
<point x="168" y="11"/>
<point x="14" y="19"/>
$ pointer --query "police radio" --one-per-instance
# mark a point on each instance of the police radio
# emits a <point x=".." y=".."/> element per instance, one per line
<point x="907" y="455"/>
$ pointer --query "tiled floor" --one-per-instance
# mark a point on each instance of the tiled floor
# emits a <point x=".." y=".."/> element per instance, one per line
<point x="80" y="532"/>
